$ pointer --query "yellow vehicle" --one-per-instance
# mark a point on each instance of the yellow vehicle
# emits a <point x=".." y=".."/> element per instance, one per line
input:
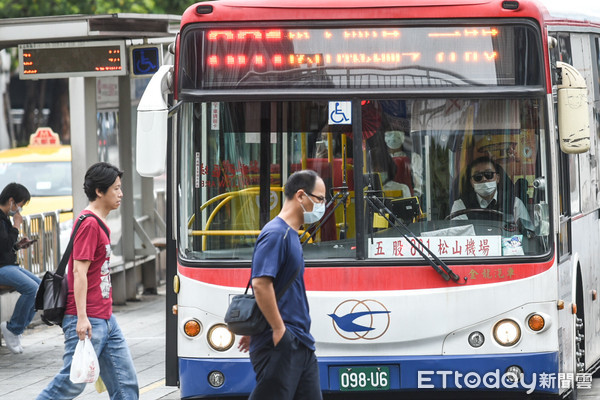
<point x="44" y="168"/>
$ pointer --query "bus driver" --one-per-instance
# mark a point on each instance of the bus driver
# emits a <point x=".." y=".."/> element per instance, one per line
<point x="486" y="192"/>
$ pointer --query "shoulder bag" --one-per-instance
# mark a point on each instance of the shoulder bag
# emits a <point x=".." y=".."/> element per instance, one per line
<point x="243" y="316"/>
<point x="51" y="296"/>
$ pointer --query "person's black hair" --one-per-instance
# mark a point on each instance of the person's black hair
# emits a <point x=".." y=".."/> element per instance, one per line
<point x="300" y="180"/>
<point x="100" y="176"/>
<point x="17" y="191"/>
<point x="481" y="160"/>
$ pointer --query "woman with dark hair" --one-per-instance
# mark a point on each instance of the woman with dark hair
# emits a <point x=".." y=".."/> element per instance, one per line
<point x="89" y="299"/>
<point x="12" y="199"/>
<point x="487" y="190"/>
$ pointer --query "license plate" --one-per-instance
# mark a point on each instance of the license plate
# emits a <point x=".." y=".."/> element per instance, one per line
<point x="364" y="378"/>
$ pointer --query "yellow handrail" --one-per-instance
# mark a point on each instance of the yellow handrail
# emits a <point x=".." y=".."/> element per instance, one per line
<point x="225" y="198"/>
<point x="224" y="233"/>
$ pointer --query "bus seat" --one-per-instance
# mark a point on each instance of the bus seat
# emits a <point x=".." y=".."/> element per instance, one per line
<point x="403" y="174"/>
<point x="338" y="165"/>
<point x="395" y="194"/>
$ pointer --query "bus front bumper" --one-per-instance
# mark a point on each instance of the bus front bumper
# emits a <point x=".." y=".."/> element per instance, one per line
<point x="409" y="373"/>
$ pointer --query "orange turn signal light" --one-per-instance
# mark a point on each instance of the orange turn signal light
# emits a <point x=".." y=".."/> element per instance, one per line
<point x="192" y="328"/>
<point x="536" y="322"/>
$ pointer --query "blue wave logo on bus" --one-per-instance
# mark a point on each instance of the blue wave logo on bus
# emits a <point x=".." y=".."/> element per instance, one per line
<point x="360" y="319"/>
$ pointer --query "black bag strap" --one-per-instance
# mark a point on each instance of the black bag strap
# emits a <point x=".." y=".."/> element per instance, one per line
<point x="62" y="266"/>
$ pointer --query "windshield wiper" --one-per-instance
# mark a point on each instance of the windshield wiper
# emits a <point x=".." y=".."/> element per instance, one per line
<point x="438" y="265"/>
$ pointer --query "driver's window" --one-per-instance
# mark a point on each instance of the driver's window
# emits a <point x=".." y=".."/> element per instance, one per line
<point x="470" y="170"/>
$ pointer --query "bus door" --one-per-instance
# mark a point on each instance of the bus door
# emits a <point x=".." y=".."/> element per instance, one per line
<point x="577" y="213"/>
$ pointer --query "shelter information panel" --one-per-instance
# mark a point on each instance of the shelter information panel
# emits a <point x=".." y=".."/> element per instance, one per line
<point x="72" y="59"/>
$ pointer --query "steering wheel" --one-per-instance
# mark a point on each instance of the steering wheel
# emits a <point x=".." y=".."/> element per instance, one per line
<point x="498" y="215"/>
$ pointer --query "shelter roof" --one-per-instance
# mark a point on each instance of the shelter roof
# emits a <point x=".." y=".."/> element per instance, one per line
<point x="71" y="28"/>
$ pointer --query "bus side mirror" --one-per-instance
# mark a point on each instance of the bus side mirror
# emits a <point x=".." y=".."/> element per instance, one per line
<point x="152" y="117"/>
<point x="573" y="111"/>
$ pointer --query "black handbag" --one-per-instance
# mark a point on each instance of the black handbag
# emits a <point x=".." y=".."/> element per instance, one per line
<point x="243" y="317"/>
<point x="51" y="296"/>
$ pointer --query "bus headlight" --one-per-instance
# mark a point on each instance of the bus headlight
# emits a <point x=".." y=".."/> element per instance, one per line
<point x="506" y="332"/>
<point x="219" y="337"/>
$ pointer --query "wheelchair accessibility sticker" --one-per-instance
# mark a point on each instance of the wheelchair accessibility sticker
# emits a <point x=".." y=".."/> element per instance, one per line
<point x="340" y="113"/>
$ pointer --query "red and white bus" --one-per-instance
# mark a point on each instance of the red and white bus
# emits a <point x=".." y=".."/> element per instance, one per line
<point x="389" y="101"/>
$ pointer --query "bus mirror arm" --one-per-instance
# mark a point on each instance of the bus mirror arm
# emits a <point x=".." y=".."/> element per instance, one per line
<point x="438" y="265"/>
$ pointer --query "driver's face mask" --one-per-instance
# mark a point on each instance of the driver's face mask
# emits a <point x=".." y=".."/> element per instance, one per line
<point x="485" y="189"/>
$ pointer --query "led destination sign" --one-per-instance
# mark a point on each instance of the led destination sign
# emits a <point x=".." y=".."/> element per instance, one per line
<point x="383" y="38"/>
<point x="360" y="57"/>
<point x="63" y="60"/>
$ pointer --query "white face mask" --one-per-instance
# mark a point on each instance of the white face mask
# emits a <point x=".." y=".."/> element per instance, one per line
<point x="485" y="189"/>
<point x="310" y="217"/>
<point x="12" y="212"/>
<point x="394" y="139"/>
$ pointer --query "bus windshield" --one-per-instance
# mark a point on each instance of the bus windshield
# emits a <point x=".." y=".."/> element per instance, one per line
<point x="466" y="176"/>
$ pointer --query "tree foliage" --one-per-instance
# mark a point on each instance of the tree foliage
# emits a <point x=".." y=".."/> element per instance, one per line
<point x="38" y="8"/>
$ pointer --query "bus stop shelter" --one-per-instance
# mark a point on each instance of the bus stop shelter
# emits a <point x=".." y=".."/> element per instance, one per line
<point x="76" y="47"/>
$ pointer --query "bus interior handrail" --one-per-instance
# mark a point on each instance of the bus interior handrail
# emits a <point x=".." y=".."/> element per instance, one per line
<point x="224" y="199"/>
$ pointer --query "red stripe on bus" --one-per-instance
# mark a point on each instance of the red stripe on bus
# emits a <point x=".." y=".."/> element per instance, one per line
<point x="377" y="278"/>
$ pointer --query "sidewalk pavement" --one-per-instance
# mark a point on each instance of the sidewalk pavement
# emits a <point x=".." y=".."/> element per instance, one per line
<point x="24" y="376"/>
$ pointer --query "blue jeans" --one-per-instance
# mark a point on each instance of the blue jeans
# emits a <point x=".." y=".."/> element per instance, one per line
<point x="116" y="365"/>
<point x="27" y="284"/>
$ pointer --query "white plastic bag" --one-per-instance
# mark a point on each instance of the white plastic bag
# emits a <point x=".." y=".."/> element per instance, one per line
<point x="84" y="366"/>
